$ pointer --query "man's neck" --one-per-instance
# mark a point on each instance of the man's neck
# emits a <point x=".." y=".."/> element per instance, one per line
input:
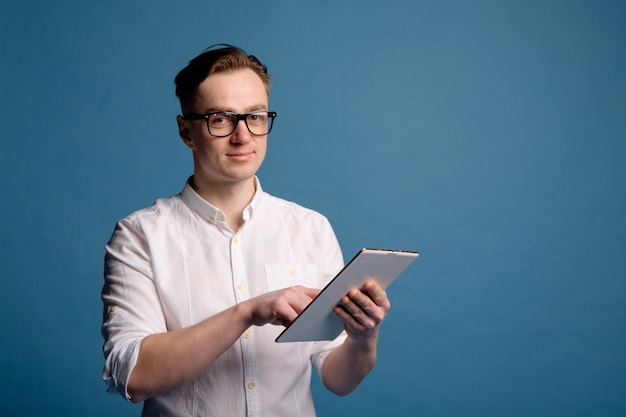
<point x="231" y="198"/>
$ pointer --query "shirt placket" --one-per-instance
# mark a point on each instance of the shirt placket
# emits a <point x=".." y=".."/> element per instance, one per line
<point x="241" y="289"/>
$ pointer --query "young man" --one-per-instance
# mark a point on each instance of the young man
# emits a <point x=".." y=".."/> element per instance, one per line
<point x="199" y="285"/>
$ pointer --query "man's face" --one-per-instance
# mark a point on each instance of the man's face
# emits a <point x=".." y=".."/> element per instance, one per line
<point x="235" y="158"/>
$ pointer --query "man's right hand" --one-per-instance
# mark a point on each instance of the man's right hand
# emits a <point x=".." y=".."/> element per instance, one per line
<point x="280" y="307"/>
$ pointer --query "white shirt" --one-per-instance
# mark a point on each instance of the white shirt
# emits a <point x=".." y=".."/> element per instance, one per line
<point x="176" y="263"/>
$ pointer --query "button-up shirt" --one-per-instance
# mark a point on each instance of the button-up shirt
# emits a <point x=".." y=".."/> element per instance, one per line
<point x="177" y="263"/>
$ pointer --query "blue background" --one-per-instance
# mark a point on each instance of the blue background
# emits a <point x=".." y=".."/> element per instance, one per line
<point x="488" y="135"/>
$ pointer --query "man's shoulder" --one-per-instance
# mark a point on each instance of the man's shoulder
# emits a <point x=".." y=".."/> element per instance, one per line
<point x="160" y="208"/>
<point x="291" y="208"/>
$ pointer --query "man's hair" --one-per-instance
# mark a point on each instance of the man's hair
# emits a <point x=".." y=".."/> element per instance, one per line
<point x="211" y="61"/>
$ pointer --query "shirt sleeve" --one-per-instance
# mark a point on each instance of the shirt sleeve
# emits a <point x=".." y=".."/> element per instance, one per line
<point x="132" y="309"/>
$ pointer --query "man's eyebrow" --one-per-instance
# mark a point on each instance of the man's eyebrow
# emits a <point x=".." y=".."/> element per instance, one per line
<point x="256" y="108"/>
<point x="215" y="110"/>
<point x="249" y="109"/>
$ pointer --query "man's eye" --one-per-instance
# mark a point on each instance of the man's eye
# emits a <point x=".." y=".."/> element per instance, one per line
<point x="257" y="118"/>
<point x="219" y="119"/>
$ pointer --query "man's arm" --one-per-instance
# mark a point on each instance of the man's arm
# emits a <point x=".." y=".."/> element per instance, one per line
<point x="362" y="310"/>
<point x="169" y="360"/>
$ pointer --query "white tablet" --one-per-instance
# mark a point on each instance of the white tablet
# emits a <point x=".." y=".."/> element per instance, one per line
<point x="317" y="321"/>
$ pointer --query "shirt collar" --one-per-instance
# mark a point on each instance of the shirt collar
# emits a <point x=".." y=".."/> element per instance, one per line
<point x="213" y="214"/>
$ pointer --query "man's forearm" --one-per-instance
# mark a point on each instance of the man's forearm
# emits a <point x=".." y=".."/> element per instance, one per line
<point x="170" y="360"/>
<point x="347" y="365"/>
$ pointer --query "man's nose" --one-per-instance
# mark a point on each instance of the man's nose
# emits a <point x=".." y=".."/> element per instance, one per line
<point x="241" y="133"/>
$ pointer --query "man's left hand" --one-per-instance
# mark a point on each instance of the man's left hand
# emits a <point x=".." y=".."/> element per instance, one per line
<point x="363" y="310"/>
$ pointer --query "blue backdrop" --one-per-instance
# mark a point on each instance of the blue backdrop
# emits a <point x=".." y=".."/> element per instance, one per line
<point x="488" y="135"/>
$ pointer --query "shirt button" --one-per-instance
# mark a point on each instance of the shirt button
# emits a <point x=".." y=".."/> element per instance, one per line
<point x="246" y="335"/>
<point x="219" y="215"/>
<point x="240" y="287"/>
<point x="236" y="240"/>
<point x="251" y="385"/>
<point x="292" y="272"/>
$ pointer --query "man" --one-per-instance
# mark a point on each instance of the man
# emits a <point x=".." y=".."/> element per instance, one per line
<point x="198" y="286"/>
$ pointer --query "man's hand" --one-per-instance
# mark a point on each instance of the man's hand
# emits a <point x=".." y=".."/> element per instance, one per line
<point x="363" y="310"/>
<point x="280" y="307"/>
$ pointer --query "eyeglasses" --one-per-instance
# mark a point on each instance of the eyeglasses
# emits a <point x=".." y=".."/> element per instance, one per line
<point x="224" y="123"/>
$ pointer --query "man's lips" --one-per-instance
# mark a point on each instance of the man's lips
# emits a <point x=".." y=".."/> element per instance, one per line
<point x="240" y="156"/>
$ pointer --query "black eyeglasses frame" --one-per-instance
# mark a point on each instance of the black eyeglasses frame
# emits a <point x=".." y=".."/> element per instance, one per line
<point x="271" y="115"/>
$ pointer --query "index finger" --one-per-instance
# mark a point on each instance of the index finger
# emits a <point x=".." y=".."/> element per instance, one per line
<point x="311" y="292"/>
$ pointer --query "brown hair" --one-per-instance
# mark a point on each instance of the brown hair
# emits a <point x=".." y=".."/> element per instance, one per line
<point x="211" y="61"/>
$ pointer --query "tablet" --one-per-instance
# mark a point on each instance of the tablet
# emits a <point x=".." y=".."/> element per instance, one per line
<point x="318" y="321"/>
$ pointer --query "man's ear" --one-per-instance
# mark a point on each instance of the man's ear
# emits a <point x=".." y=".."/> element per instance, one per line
<point x="183" y="131"/>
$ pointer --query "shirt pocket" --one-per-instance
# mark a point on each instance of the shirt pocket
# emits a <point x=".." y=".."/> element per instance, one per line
<point x="280" y="276"/>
